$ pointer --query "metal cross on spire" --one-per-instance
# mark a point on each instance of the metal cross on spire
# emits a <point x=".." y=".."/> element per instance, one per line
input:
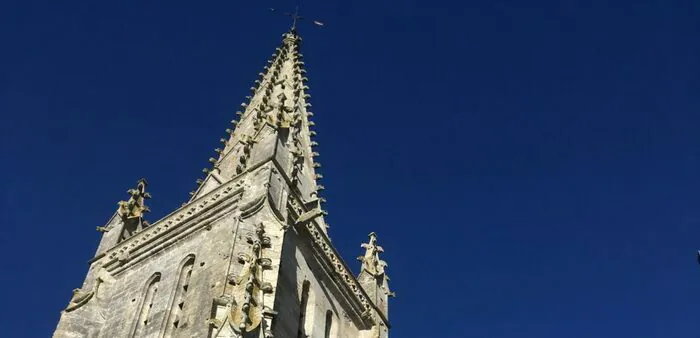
<point x="296" y="18"/>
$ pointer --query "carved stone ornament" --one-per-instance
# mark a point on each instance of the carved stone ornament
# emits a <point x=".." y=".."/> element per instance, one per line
<point x="309" y="216"/>
<point x="244" y="307"/>
<point x="253" y="206"/>
<point x="370" y="261"/>
<point x="247" y="141"/>
<point x="103" y="229"/>
<point x="81" y="297"/>
<point x="373" y="266"/>
<point x="321" y="241"/>
<point x="178" y="218"/>
<point x="135" y="207"/>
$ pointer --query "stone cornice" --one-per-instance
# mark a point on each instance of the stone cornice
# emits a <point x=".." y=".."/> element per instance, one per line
<point x="323" y="245"/>
<point x="173" y="226"/>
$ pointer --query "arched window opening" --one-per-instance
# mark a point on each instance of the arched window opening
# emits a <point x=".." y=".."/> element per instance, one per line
<point x="303" y="308"/>
<point x="144" y="318"/>
<point x="329" y="323"/>
<point x="175" y="319"/>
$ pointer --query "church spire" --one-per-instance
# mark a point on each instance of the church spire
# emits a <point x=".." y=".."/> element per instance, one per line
<point x="262" y="187"/>
<point x="278" y="105"/>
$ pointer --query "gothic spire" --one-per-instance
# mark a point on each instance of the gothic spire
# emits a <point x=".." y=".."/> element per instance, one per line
<point x="278" y="104"/>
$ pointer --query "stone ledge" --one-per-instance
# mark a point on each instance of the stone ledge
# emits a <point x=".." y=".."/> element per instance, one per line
<point x="166" y="227"/>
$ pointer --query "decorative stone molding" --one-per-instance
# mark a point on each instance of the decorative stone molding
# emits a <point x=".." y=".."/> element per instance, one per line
<point x="81" y="297"/>
<point x="305" y="220"/>
<point x="185" y="214"/>
<point x="322" y="242"/>
<point x="295" y="206"/>
<point x="243" y="310"/>
<point x="104" y="229"/>
<point x="308" y="216"/>
<point x="247" y="141"/>
<point x="123" y="257"/>
<point x="252" y="207"/>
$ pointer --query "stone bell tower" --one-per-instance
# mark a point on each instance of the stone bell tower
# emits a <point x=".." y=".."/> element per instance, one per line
<point x="249" y="254"/>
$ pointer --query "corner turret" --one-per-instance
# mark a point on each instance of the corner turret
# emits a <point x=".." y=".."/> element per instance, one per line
<point x="373" y="278"/>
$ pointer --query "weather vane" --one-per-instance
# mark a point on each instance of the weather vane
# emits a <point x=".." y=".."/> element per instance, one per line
<point x="296" y="17"/>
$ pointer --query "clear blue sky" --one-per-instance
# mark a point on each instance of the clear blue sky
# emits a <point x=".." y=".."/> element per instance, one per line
<point x="531" y="167"/>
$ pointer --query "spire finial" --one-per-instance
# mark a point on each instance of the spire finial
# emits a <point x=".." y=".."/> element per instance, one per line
<point x="296" y="17"/>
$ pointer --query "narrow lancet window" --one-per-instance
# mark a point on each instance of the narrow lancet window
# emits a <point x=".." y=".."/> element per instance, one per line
<point x="329" y="323"/>
<point x="302" y="309"/>
<point x="144" y="319"/>
<point x="175" y="318"/>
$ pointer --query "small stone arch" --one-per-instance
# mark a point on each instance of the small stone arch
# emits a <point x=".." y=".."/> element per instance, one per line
<point x="143" y="314"/>
<point x="176" y="319"/>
